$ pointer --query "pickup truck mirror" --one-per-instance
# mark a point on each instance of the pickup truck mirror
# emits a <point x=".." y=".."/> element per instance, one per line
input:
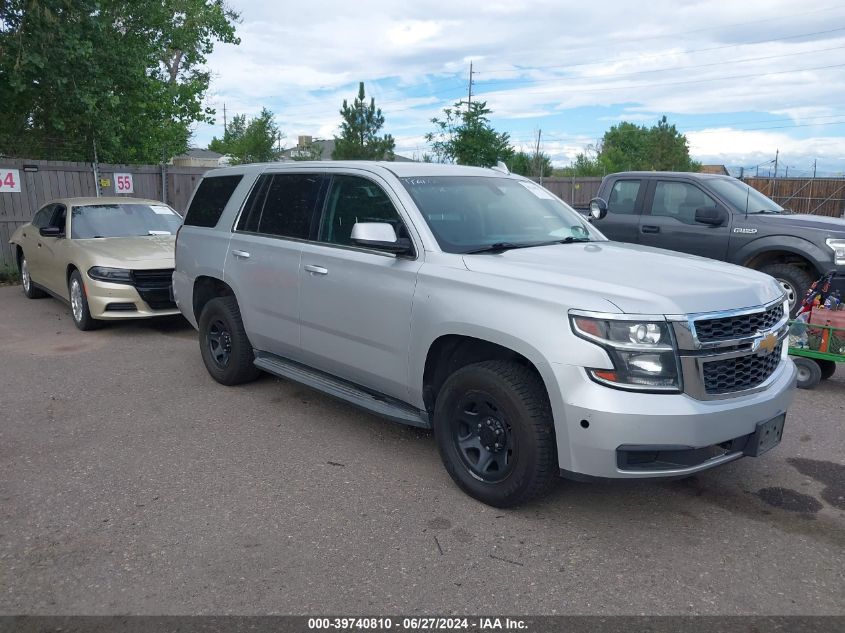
<point x="51" y="231"/>
<point x="598" y="208"/>
<point x="381" y="236"/>
<point x="711" y="216"/>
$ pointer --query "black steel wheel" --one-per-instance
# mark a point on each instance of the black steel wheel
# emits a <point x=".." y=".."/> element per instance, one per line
<point x="224" y="345"/>
<point x="483" y="437"/>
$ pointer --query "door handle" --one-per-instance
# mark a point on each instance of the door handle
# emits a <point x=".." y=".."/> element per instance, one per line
<point x="317" y="270"/>
<point x="240" y="254"/>
<point x="39" y="244"/>
<point x="650" y="228"/>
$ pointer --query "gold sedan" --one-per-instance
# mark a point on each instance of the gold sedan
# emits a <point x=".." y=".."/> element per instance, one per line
<point x="109" y="258"/>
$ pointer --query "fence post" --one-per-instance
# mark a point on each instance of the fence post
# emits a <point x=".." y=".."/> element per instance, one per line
<point x="164" y="183"/>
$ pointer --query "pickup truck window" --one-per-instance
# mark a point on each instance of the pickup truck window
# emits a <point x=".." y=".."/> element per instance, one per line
<point x="679" y="200"/>
<point x="354" y="199"/>
<point x="623" y="197"/>
<point x="467" y="213"/>
<point x="739" y="195"/>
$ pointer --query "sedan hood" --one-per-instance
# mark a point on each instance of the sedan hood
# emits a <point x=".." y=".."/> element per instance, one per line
<point x="637" y="279"/>
<point x="834" y="227"/>
<point x="131" y="249"/>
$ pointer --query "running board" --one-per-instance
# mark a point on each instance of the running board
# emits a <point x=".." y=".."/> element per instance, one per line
<point x="384" y="406"/>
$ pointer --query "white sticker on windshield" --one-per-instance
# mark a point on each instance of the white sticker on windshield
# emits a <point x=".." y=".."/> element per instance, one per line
<point x="162" y="210"/>
<point x="537" y="190"/>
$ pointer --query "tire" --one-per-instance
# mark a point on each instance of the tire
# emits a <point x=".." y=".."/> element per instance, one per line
<point x="29" y="288"/>
<point x="809" y="372"/>
<point x="224" y="345"/>
<point x="79" y="304"/>
<point x="477" y="405"/>
<point x="795" y="282"/>
<point x="828" y="368"/>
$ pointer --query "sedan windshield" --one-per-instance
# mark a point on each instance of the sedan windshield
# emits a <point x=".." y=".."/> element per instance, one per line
<point x="742" y="197"/>
<point x="123" y="220"/>
<point x="482" y="214"/>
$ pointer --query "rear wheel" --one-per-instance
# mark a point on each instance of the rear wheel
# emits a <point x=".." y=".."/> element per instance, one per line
<point x="495" y="434"/>
<point x="29" y="288"/>
<point x="828" y="368"/>
<point x="795" y="282"/>
<point x="809" y="372"/>
<point x="224" y="345"/>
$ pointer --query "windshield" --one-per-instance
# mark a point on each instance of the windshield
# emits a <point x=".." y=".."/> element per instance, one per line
<point x="123" y="220"/>
<point x="737" y="192"/>
<point x="473" y="213"/>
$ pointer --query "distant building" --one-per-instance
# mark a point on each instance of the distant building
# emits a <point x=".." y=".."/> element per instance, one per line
<point x="305" y="145"/>
<point x="196" y="157"/>
<point x="714" y="169"/>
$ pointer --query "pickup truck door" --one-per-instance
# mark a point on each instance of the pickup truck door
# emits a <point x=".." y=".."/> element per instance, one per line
<point x="356" y="302"/>
<point x="669" y="220"/>
<point x="624" y="205"/>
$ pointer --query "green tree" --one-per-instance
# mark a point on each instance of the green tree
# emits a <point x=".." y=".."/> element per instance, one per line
<point x="254" y="141"/>
<point x="359" y="138"/>
<point x="532" y="164"/>
<point x="466" y="137"/>
<point x="126" y="73"/>
<point x="627" y="146"/>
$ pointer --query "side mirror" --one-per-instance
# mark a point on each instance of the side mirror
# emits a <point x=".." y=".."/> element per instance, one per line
<point x="51" y="231"/>
<point x="711" y="216"/>
<point x="381" y="236"/>
<point x="598" y="208"/>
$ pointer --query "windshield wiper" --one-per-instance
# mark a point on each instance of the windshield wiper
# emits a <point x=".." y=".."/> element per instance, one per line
<point x="775" y="211"/>
<point x="500" y="247"/>
<point x="571" y="240"/>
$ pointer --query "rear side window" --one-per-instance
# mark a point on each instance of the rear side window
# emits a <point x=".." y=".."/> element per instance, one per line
<point x="210" y="200"/>
<point x="289" y="205"/>
<point x="623" y="197"/>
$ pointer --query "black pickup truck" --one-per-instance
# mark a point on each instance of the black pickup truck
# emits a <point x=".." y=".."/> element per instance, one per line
<point x="722" y="218"/>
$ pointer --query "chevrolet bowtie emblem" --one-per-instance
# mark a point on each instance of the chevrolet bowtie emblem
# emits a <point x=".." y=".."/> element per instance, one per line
<point x="765" y="343"/>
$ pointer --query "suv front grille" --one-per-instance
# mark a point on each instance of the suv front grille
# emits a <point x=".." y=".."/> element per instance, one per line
<point x="739" y="374"/>
<point x="733" y="327"/>
<point x="154" y="287"/>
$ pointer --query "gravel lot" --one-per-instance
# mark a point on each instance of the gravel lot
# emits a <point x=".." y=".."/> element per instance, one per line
<point x="130" y="482"/>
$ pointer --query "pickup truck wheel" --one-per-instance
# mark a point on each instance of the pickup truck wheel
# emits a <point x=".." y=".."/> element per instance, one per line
<point x="809" y="372"/>
<point x="828" y="367"/>
<point x="29" y="288"/>
<point x="224" y="345"/>
<point x="494" y="430"/>
<point x="794" y="281"/>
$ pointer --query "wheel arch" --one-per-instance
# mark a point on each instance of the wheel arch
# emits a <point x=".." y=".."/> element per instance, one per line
<point x="207" y="288"/>
<point x="782" y="249"/>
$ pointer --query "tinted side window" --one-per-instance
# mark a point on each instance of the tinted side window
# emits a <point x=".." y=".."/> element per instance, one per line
<point x="353" y="199"/>
<point x="210" y="200"/>
<point x="43" y="216"/>
<point x="623" y="197"/>
<point x="290" y="204"/>
<point x="251" y="213"/>
<point x="679" y="200"/>
<point x="59" y="217"/>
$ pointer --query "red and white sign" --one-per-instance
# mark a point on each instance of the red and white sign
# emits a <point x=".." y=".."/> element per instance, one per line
<point x="10" y="181"/>
<point x="123" y="183"/>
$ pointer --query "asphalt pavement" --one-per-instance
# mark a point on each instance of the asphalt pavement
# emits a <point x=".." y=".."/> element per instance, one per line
<point x="132" y="483"/>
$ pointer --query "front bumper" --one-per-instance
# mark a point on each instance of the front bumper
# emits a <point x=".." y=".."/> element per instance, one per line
<point x="595" y="424"/>
<point x="109" y="301"/>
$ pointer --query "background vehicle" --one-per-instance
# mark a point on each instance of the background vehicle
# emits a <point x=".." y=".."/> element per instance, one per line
<point x="109" y="258"/>
<point x="476" y="303"/>
<point x="723" y="218"/>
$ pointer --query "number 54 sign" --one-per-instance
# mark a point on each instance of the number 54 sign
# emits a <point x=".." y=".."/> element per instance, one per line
<point x="10" y="181"/>
<point x="123" y="183"/>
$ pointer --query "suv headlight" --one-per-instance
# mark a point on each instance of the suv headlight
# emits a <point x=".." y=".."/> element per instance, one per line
<point x="113" y="275"/>
<point x="642" y="352"/>
<point x="838" y="248"/>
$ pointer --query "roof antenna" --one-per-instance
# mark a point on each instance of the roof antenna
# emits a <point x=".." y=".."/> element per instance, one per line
<point x="747" y="194"/>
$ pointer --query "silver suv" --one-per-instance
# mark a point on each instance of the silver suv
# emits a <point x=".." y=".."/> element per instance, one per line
<point x="475" y="303"/>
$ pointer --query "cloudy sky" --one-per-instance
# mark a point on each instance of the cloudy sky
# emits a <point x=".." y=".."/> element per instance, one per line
<point x="740" y="79"/>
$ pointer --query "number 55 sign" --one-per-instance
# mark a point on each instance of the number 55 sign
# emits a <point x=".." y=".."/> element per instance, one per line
<point x="10" y="181"/>
<point x="123" y="183"/>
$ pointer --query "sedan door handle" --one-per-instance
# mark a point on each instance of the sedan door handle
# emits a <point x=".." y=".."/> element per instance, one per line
<point x="240" y="254"/>
<point x="650" y="228"/>
<point x="318" y="270"/>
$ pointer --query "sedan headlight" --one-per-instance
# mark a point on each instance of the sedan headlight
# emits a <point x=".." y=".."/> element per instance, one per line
<point x="113" y="275"/>
<point x="838" y="248"/>
<point x="642" y="352"/>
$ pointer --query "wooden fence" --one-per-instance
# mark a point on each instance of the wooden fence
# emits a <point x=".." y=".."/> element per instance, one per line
<point x="819" y="196"/>
<point x="42" y="181"/>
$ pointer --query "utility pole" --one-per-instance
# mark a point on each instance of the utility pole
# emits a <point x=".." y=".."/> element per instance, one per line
<point x="224" y="119"/>
<point x="96" y="169"/>
<point x="777" y="152"/>
<point x="469" y="91"/>
<point x="537" y="157"/>
<point x="814" y="167"/>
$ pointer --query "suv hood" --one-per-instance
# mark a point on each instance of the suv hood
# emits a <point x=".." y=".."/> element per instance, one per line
<point x="834" y="227"/>
<point x="637" y="279"/>
<point x="131" y="249"/>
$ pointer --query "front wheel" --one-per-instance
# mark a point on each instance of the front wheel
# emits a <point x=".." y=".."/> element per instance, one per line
<point x="809" y="372"/>
<point x="794" y="281"/>
<point x="494" y="430"/>
<point x="79" y="304"/>
<point x="224" y="345"/>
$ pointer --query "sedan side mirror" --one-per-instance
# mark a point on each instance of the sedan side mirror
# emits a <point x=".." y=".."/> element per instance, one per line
<point x="711" y="216"/>
<point x="51" y="231"/>
<point x="381" y="236"/>
<point x="598" y="208"/>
